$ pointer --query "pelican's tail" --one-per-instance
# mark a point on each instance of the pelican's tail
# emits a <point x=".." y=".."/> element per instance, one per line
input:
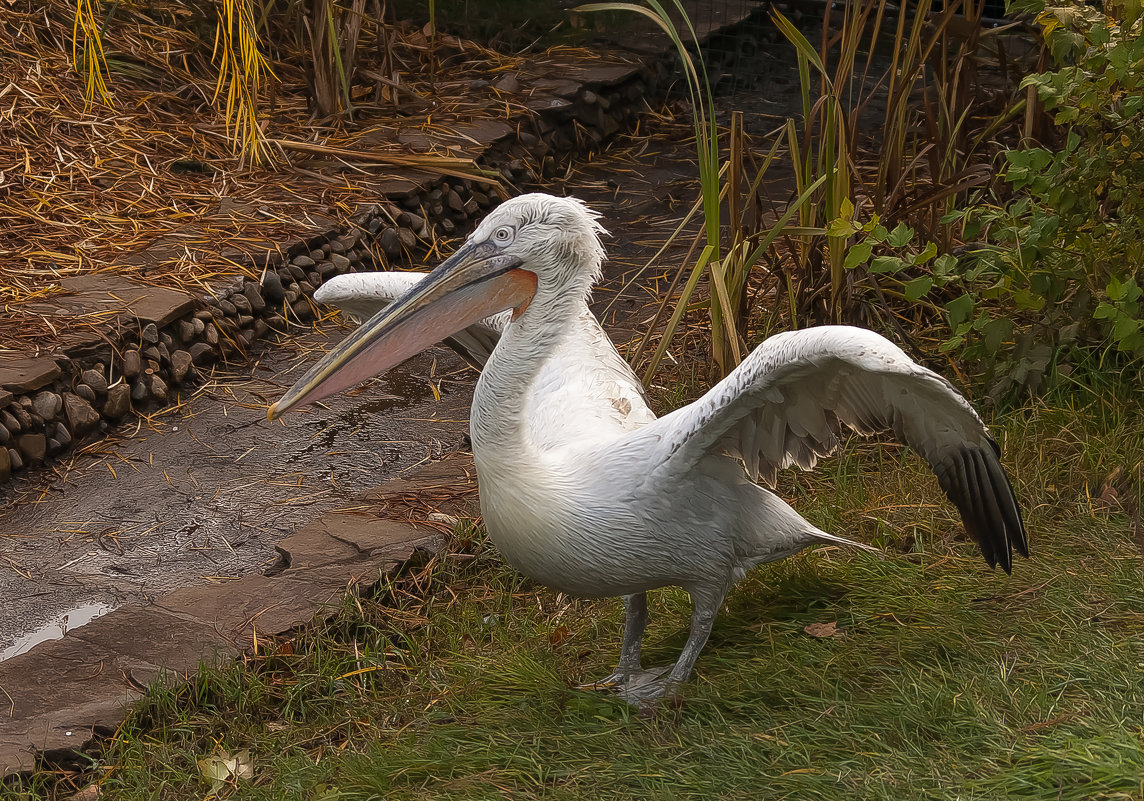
<point x="822" y="536"/>
<point x="773" y="530"/>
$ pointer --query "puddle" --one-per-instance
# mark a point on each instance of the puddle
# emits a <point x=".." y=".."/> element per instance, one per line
<point x="57" y="627"/>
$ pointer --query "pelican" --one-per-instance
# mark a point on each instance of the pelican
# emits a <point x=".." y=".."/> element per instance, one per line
<point x="583" y="488"/>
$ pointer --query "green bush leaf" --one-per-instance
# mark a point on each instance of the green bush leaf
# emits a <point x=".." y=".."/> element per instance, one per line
<point x="858" y="254"/>
<point x="918" y="287"/>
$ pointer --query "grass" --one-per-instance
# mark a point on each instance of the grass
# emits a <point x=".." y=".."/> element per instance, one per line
<point x="949" y="681"/>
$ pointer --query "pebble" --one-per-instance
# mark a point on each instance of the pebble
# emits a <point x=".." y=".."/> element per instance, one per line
<point x="201" y="353"/>
<point x="315" y="278"/>
<point x="47" y="404"/>
<point x="33" y="447"/>
<point x="22" y="413"/>
<point x="254" y="297"/>
<point x="132" y="363"/>
<point x="15" y="459"/>
<point x="205" y="315"/>
<point x="139" y="392"/>
<point x="305" y="262"/>
<point x="340" y="263"/>
<point x="305" y="288"/>
<point x="158" y="389"/>
<point x="507" y="83"/>
<point x="210" y="335"/>
<point x="5" y="464"/>
<point x="10" y="422"/>
<point x="244" y="320"/>
<point x="199" y="325"/>
<point x="63" y="436"/>
<point x="150" y="333"/>
<point x="5" y="435"/>
<point x="54" y="447"/>
<point x="317" y="255"/>
<point x="94" y="379"/>
<point x="272" y="287"/>
<point x="186" y="330"/>
<point x="240" y="303"/>
<point x="85" y="392"/>
<point x="152" y="354"/>
<point x="454" y="201"/>
<point x="298" y="273"/>
<point x="118" y="401"/>
<point x="81" y="416"/>
<point x="302" y="310"/>
<point x="337" y="247"/>
<point x="228" y="308"/>
<point x="181" y="363"/>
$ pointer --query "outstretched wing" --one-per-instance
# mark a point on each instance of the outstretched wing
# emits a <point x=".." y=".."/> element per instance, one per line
<point x="362" y="295"/>
<point x="786" y="403"/>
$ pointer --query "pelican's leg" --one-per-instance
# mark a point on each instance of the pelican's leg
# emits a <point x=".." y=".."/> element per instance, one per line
<point x="634" y="624"/>
<point x="635" y="621"/>
<point x="705" y="607"/>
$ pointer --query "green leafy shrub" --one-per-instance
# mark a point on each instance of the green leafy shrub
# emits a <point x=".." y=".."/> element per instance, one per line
<point x="1055" y="286"/>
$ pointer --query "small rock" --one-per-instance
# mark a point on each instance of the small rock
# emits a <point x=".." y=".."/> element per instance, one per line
<point x="33" y="447"/>
<point x="341" y="263"/>
<point x="132" y="363"/>
<point x="5" y="435"/>
<point x="454" y="201"/>
<point x="228" y="308"/>
<point x="47" y="404"/>
<point x="441" y="517"/>
<point x="22" y="414"/>
<point x="349" y="241"/>
<point x="260" y="328"/>
<point x="297" y="273"/>
<point x="241" y="303"/>
<point x="118" y="401"/>
<point x="10" y="422"/>
<point x="81" y="416"/>
<point x="166" y="340"/>
<point x="53" y="446"/>
<point x="305" y="288"/>
<point x="408" y="239"/>
<point x="85" y="392"/>
<point x="374" y="226"/>
<point x="164" y="353"/>
<point x="292" y="294"/>
<point x="337" y="247"/>
<point x="152" y="354"/>
<point x="199" y="325"/>
<point x="303" y="311"/>
<point x="210" y="335"/>
<point x="244" y="320"/>
<point x="181" y="363"/>
<point x="314" y="277"/>
<point x="63" y="436"/>
<point x="139" y="392"/>
<point x="305" y="262"/>
<point x="476" y="84"/>
<point x="317" y="255"/>
<point x="390" y="243"/>
<point x="201" y="353"/>
<point x="507" y="83"/>
<point x="15" y="459"/>
<point x="275" y="321"/>
<point x="94" y="379"/>
<point x="205" y="315"/>
<point x="5" y="464"/>
<point x="158" y="389"/>
<point x="186" y="330"/>
<point x="150" y="334"/>
<point x="254" y="297"/>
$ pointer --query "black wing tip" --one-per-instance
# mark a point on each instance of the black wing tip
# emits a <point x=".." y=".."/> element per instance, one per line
<point x="974" y="480"/>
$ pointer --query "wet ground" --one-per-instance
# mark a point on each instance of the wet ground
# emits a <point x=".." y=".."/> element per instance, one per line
<point x="202" y="491"/>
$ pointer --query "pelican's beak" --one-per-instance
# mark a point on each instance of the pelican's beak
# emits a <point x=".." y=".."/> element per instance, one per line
<point x="475" y="282"/>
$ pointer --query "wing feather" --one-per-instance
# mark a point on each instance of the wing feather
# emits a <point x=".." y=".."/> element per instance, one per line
<point x="786" y="403"/>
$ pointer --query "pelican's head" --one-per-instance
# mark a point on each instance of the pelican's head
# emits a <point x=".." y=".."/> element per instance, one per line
<point x="533" y="247"/>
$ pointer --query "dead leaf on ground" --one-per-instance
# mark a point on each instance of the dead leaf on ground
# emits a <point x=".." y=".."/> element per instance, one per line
<point x="823" y="629"/>
<point x="222" y="768"/>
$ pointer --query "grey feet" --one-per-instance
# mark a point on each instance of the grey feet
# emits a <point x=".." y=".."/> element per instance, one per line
<point x="640" y="688"/>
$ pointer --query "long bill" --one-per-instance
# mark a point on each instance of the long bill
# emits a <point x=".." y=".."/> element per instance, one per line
<point x="475" y="282"/>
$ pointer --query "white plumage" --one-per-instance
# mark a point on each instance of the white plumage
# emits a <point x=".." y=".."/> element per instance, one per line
<point x="583" y="488"/>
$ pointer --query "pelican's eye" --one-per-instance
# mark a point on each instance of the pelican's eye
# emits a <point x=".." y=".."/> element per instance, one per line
<point x="503" y="235"/>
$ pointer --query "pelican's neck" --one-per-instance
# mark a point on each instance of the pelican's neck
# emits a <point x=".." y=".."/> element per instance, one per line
<point x="497" y="419"/>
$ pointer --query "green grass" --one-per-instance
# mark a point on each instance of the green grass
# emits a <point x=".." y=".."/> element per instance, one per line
<point x="950" y="681"/>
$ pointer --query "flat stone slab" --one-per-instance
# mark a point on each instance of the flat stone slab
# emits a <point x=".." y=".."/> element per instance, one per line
<point x="92" y="295"/>
<point x="153" y="634"/>
<point x="59" y="693"/>
<point x="28" y="375"/>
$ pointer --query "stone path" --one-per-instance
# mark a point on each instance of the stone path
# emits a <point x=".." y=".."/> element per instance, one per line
<point x="63" y="692"/>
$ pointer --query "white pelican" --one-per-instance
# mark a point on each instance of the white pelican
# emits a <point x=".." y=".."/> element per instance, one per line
<point x="584" y="489"/>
